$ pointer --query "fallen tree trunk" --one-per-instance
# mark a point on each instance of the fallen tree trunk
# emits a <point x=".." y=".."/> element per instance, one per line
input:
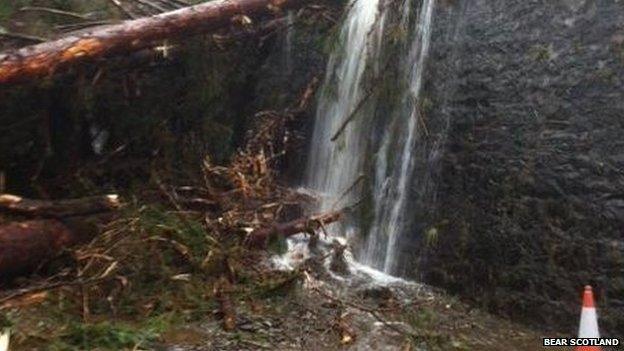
<point x="59" y="208"/>
<point x="260" y="237"/>
<point x="49" y="57"/>
<point x="26" y="245"/>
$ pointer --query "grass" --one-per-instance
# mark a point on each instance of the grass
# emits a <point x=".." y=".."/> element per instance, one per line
<point x="157" y="283"/>
<point x="105" y="336"/>
<point x="164" y="269"/>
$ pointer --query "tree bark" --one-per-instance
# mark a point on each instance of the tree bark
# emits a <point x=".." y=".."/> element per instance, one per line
<point x="260" y="237"/>
<point x="59" y="208"/>
<point x="47" y="58"/>
<point x="26" y="245"/>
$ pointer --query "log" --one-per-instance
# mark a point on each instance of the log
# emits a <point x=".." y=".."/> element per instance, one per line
<point x="260" y="237"/>
<point x="47" y="58"/>
<point x="59" y="208"/>
<point x="26" y="245"/>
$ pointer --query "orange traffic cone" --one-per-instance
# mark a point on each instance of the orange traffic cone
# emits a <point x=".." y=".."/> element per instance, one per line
<point x="588" y="327"/>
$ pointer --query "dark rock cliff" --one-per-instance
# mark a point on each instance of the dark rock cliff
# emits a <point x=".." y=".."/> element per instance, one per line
<point x="530" y="200"/>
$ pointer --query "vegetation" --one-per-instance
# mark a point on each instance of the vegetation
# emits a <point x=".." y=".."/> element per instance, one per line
<point x="159" y="264"/>
<point x="143" y="127"/>
<point x="175" y="131"/>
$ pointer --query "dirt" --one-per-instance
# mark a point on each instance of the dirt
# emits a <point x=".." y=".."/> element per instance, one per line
<point x="325" y="313"/>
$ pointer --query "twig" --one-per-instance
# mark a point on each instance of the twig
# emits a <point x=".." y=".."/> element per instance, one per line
<point x="81" y="25"/>
<point x="167" y="194"/>
<point x="372" y="312"/>
<point x="359" y="179"/>
<point x="86" y="312"/>
<point x="256" y="344"/>
<point x="54" y="11"/>
<point x="307" y="95"/>
<point x="222" y="293"/>
<point x="172" y="4"/>
<point x="152" y="5"/>
<point x="21" y="36"/>
<point x="361" y="103"/>
<point x="182" y="3"/>
<point x="421" y="119"/>
<point x="125" y="11"/>
<point x="47" y="287"/>
<point x="353" y="114"/>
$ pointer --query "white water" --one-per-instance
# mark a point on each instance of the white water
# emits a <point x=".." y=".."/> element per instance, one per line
<point x="335" y="166"/>
<point x="391" y="184"/>
<point x="298" y="251"/>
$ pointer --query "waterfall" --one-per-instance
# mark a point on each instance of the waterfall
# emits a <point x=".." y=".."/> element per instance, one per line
<point x="335" y="165"/>
<point x="346" y="145"/>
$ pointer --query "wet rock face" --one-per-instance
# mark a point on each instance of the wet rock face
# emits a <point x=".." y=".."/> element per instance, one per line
<point x="530" y="200"/>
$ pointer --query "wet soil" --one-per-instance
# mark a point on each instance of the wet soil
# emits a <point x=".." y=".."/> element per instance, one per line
<point x="329" y="315"/>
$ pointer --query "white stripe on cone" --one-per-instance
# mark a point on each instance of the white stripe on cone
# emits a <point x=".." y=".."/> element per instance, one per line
<point x="589" y="323"/>
<point x="4" y="339"/>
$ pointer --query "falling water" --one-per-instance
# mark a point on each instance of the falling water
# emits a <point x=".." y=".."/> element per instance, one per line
<point x="344" y="133"/>
<point x="393" y="174"/>
<point x="335" y="165"/>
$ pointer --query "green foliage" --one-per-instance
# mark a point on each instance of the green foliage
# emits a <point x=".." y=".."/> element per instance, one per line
<point x="5" y="320"/>
<point x="159" y="258"/>
<point x="422" y="319"/>
<point x="427" y="322"/>
<point x="159" y="222"/>
<point x="5" y="10"/>
<point x="105" y="336"/>
<point x="8" y="8"/>
<point x="425" y="105"/>
<point x="108" y="335"/>
<point x="277" y="244"/>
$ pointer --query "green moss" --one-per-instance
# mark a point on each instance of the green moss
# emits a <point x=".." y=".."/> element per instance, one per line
<point x="542" y="52"/>
<point x="277" y="244"/>
<point x="431" y="237"/>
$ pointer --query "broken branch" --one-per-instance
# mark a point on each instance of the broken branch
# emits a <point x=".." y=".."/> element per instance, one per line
<point x="59" y="208"/>
<point x="260" y="237"/>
